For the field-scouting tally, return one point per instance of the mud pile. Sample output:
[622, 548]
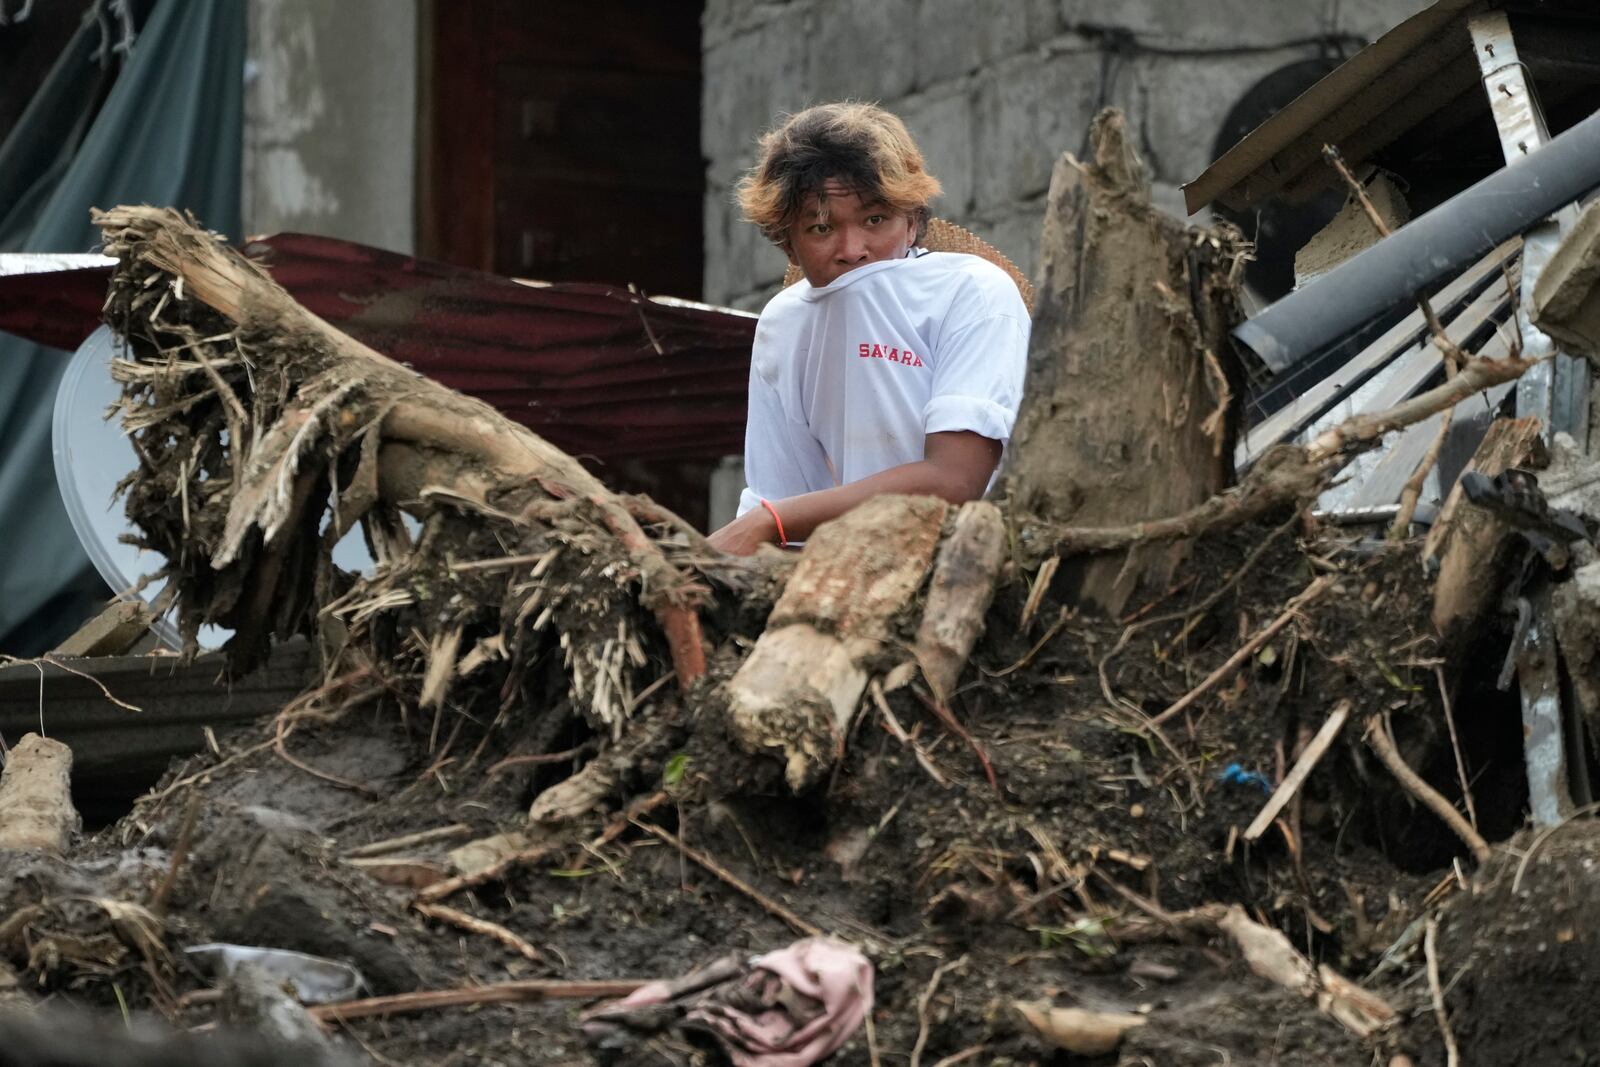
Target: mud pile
[1075, 877]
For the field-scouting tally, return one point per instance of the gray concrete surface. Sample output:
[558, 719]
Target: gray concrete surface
[330, 120]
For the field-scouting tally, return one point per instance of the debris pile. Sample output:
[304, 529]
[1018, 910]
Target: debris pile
[986, 784]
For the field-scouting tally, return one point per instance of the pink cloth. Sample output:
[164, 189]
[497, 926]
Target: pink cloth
[792, 1008]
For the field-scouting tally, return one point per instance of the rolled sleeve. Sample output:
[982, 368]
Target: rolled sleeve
[970, 413]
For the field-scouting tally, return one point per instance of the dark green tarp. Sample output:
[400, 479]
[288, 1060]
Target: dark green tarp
[168, 133]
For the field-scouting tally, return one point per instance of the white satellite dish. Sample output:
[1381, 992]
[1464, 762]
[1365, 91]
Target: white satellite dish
[92, 454]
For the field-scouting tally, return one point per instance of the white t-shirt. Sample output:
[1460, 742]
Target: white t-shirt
[847, 380]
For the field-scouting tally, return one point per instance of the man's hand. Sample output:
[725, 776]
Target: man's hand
[748, 532]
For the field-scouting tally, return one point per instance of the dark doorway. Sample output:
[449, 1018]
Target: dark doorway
[561, 141]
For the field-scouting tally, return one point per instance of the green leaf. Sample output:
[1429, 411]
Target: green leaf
[676, 767]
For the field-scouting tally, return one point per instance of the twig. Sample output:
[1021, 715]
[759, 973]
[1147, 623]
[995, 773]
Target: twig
[450, 886]
[1451, 1052]
[1455, 746]
[202, 775]
[948, 718]
[1301, 770]
[770, 906]
[1447, 347]
[1044, 639]
[504, 562]
[1377, 737]
[1181, 924]
[922, 1008]
[1318, 586]
[180, 852]
[1544, 835]
[963, 1056]
[1411, 492]
[1287, 473]
[440, 890]
[50, 659]
[872, 1041]
[473, 924]
[281, 733]
[548, 757]
[1041, 584]
[525, 991]
[1192, 612]
[898, 732]
[405, 841]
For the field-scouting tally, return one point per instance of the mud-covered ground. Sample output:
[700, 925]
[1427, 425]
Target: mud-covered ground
[1057, 882]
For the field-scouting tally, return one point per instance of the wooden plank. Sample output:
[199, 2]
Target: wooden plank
[1465, 541]
[1302, 769]
[1283, 424]
[111, 633]
[1509, 443]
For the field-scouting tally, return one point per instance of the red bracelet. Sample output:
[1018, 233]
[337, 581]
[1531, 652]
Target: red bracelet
[782, 537]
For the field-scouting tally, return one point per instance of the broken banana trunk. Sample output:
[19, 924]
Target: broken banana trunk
[835, 627]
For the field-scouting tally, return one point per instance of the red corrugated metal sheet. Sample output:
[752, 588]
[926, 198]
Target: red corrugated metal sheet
[597, 370]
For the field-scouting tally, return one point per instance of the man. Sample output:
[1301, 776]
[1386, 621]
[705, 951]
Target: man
[888, 368]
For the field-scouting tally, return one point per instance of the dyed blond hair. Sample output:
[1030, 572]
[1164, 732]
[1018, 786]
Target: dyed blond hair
[862, 145]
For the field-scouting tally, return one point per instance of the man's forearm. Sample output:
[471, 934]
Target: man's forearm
[956, 465]
[803, 514]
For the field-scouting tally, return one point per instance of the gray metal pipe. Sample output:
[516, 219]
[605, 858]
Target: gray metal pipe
[1444, 241]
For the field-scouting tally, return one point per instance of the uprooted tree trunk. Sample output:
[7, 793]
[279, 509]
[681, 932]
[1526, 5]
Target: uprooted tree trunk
[1128, 413]
[264, 435]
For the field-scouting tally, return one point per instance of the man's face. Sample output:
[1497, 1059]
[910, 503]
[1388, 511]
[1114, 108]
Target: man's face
[837, 231]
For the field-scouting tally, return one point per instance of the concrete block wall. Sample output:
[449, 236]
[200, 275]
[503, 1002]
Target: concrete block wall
[330, 120]
[994, 91]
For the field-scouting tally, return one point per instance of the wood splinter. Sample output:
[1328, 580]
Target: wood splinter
[521, 992]
[475, 925]
[1301, 770]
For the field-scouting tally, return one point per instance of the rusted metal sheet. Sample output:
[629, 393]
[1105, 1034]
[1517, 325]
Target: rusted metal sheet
[599, 370]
